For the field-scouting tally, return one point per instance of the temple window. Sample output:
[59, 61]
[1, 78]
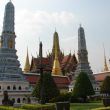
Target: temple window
[19, 88]
[13, 99]
[14, 88]
[18, 100]
[8, 87]
[24, 100]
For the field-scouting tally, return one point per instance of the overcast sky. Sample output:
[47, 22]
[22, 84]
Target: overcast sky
[37, 19]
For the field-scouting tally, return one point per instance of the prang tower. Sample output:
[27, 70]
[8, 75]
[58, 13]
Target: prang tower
[11, 76]
[83, 64]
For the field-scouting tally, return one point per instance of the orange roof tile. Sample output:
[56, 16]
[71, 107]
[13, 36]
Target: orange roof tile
[101, 76]
[65, 59]
[61, 81]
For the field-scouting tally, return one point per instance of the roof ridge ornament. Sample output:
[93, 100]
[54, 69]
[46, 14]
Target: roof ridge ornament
[55, 29]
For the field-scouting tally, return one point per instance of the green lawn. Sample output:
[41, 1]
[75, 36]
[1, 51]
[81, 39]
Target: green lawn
[85, 106]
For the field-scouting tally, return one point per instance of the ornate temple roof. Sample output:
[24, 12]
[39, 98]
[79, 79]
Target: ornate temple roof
[65, 59]
[35, 64]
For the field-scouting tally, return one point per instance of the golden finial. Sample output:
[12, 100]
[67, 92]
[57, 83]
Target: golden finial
[27, 64]
[105, 61]
[55, 29]
[70, 52]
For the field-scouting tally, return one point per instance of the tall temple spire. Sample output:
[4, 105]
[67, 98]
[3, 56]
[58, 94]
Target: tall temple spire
[8, 23]
[105, 62]
[7, 50]
[27, 64]
[83, 64]
[81, 39]
[40, 50]
[55, 42]
[56, 65]
[10, 72]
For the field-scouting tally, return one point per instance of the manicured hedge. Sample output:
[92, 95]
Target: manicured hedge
[102, 108]
[39, 107]
[9, 108]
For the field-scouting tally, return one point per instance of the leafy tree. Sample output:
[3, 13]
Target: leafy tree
[105, 88]
[83, 87]
[50, 88]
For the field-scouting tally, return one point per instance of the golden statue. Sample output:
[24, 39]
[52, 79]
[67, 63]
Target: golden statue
[10, 43]
[0, 42]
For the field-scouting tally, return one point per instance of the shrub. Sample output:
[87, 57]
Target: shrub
[9, 108]
[83, 87]
[50, 88]
[105, 88]
[62, 97]
[102, 108]
[39, 107]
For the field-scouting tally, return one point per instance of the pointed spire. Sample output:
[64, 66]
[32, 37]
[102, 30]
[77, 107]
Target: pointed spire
[8, 22]
[70, 53]
[74, 51]
[40, 49]
[56, 66]
[55, 29]
[27, 64]
[105, 61]
[55, 42]
[81, 39]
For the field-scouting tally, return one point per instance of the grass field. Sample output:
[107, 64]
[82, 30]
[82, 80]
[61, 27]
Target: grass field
[85, 106]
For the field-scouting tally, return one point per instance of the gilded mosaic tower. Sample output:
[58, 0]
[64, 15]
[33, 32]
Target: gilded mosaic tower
[56, 64]
[83, 64]
[55, 42]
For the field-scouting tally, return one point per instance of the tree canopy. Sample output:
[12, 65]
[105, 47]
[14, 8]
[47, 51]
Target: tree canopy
[105, 88]
[83, 86]
[50, 88]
